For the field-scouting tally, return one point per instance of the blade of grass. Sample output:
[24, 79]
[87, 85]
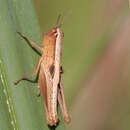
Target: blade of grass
[17, 59]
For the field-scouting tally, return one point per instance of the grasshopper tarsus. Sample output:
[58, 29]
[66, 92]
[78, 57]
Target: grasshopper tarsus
[19, 32]
[61, 70]
[15, 83]
[22, 35]
[67, 119]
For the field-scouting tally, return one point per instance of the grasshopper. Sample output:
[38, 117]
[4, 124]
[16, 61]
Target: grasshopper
[50, 70]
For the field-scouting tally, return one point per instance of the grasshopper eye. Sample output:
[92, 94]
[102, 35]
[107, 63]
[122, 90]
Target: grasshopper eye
[54, 30]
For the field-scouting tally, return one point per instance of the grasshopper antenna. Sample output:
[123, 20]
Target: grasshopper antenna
[62, 22]
[58, 20]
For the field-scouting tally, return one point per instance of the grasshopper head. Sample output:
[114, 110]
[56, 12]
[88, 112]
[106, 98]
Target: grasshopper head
[50, 37]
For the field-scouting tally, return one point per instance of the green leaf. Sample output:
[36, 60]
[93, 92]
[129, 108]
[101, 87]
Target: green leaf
[20, 108]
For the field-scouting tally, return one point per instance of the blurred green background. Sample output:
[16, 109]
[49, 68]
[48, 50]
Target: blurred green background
[95, 51]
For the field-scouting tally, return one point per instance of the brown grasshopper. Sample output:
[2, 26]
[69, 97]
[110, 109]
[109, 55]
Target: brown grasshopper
[49, 78]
